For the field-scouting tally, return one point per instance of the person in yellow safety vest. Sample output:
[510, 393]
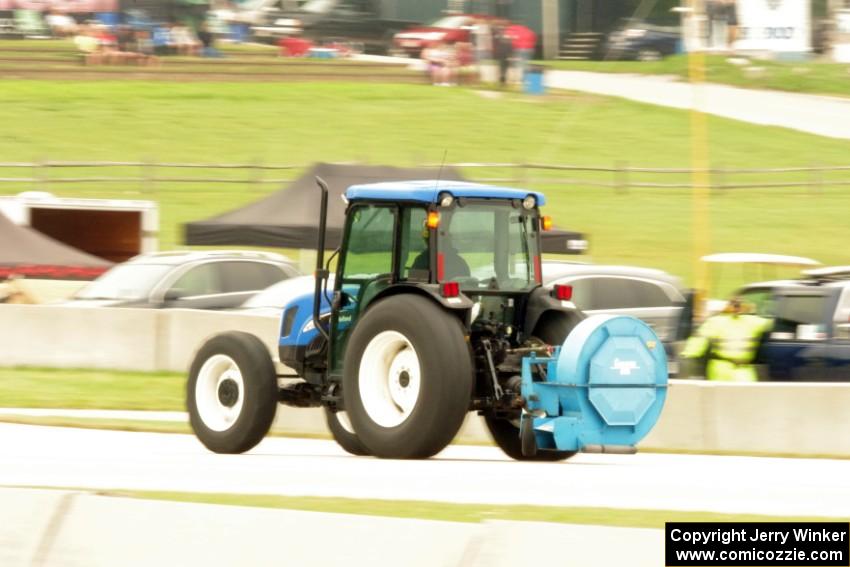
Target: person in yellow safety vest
[731, 340]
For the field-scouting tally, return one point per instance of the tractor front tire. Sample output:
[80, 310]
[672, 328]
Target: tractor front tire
[343, 433]
[407, 377]
[232, 392]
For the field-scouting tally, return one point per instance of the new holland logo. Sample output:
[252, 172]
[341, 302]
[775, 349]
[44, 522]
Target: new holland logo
[625, 367]
[774, 4]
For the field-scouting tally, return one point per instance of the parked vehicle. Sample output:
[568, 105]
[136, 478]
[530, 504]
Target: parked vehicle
[194, 280]
[448, 29]
[810, 337]
[641, 41]
[419, 331]
[652, 296]
[360, 23]
[273, 299]
[767, 266]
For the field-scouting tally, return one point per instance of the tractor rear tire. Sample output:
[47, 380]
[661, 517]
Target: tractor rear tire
[343, 433]
[552, 329]
[231, 394]
[507, 436]
[408, 377]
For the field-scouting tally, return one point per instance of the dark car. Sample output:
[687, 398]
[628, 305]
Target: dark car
[810, 337]
[193, 280]
[641, 41]
[357, 23]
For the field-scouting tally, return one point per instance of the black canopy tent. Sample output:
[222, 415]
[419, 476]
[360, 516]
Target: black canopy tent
[25, 251]
[289, 218]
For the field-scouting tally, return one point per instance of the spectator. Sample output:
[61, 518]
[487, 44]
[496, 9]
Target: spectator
[731, 23]
[161, 39]
[523, 41]
[464, 59]
[441, 64]
[110, 53]
[145, 49]
[207, 40]
[482, 38]
[61, 25]
[502, 52]
[89, 45]
[722, 16]
[184, 40]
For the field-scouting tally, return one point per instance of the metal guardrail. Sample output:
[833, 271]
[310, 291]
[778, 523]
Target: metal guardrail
[622, 175]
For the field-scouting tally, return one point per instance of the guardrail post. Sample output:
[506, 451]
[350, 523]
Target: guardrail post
[42, 174]
[816, 181]
[621, 176]
[717, 177]
[259, 172]
[148, 177]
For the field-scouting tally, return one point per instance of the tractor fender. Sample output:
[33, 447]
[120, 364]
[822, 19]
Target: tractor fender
[460, 306]
[541, 303]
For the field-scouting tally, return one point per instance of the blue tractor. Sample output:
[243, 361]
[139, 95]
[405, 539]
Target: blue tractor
[435, 310]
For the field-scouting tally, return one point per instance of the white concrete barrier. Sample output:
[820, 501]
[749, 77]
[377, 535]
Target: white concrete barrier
[802, 419]
[793, 418]
[117, 338]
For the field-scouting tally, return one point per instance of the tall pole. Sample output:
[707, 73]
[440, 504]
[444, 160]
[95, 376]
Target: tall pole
[550, 28]
[700, 176]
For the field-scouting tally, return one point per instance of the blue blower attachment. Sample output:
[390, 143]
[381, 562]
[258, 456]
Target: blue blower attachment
[602, 391]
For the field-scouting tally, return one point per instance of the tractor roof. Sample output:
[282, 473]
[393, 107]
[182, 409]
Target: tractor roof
[427, 191]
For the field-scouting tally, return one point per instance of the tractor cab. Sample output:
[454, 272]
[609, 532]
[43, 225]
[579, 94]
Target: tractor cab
[471, 248]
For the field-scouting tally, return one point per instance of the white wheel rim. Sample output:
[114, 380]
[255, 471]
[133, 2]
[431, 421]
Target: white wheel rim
[218, 378]
[389, 379]
[344, 422]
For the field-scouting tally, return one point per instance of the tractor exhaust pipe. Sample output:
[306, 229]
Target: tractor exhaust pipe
[321, 273]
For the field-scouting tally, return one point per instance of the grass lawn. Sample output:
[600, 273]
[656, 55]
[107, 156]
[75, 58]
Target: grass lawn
[473, 513]
[91, 389]
[301, 123]
[795, 76]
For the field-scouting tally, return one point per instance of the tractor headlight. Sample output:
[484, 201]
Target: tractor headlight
[446, 199]
[529, 202]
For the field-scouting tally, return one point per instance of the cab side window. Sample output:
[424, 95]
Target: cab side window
[370, 243]
[414, 254]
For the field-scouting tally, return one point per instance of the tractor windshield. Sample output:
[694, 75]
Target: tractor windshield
[488, 246]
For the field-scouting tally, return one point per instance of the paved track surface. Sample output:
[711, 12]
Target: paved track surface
[815, 114]
[59, 528]
[65, 457]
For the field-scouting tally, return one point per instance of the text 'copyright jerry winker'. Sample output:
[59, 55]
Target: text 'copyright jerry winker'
[763, 544]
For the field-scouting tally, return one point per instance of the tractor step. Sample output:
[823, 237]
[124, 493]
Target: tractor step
[300, 395]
